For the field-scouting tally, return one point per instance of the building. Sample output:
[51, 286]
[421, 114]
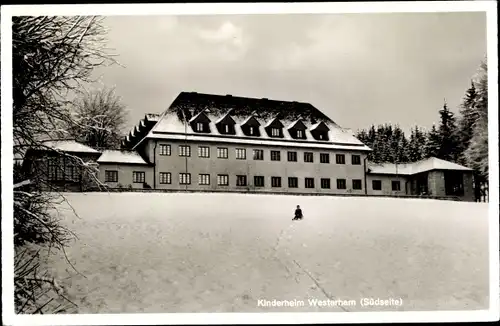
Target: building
[56, 165]
[213, 142]
[206, 142]
[430, 177]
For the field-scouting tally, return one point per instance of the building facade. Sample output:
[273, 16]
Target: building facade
[206, 142]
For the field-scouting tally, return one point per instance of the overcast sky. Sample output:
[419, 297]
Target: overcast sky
[358, 69]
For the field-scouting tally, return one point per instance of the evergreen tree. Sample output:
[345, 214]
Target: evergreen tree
[433, 143]
[476, 154]
[468, 116]
[448, 149]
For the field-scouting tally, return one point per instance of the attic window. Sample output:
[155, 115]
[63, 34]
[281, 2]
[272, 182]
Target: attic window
[300, 134]
[199, 126]
[226, 128]
[275, 132]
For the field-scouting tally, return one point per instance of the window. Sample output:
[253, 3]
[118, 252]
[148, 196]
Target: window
[356, 184]
[324, 158]
[377, 184]
[308, 157]
[309, 182]
[258, 181]
[293, 182]
[341, 184]
[199, 126]
[165, 178]
[275, 155]
[185, 178]
[292, 156]
[71, 172]
[325, 183]
[203, 151]
[110, 176]
[300, 134]
[356, 160]
[241, 154]
[165, 150]
[258, 154]
[222, 180]
[340, 158]
[276, 182]
[56, 169]
[221, 152]
[138, 177]
[226, 129]
[184, 150]
[396, 185]
[241, 180]
[454, 183]
[251, 131]
[204, 179]
[275, 132]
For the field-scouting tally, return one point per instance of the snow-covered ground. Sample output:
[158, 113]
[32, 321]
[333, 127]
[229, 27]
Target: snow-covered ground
[223, 252]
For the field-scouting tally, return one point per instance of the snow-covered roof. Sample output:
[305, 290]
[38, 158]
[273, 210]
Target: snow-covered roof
[191, 105]
[118, 156]
[71, 146]
[268, 141]
[429, 164]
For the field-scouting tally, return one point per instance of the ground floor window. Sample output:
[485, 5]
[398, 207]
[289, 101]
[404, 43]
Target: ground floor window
[258, 181]
[138, 177]
[293, 182]
[110, 176]
[276, 182]
[165, 178]
[377, 184]
[241, 180]
[341, 184]
[356, 184]
[185, 178]
[454, 183]
[222, 180]
[204, 179]
[309, 182]
[396, 185]
[325, 183]
[63, 169]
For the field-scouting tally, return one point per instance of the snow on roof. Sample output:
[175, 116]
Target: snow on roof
[268, 141]
[435, 163]
[429, 164]
[69, 146]
[118, 156]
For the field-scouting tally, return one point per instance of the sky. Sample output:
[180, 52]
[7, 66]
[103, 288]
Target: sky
[359, 69]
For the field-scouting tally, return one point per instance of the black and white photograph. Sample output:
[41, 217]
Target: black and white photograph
[249, 163]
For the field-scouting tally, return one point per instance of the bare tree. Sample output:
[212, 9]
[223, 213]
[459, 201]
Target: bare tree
[101, 118]
[53, 59]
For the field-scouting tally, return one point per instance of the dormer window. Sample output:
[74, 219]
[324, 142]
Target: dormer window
[200, 123]
[226, 125]
[297, 129]
[274, 128]
[250, 127]
[320, 131]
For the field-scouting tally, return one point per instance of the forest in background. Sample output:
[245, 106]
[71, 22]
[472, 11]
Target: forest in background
[461, 138]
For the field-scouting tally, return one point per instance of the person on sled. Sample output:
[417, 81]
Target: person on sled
[298, 214]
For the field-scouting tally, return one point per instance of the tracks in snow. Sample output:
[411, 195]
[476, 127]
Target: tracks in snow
[287, 233]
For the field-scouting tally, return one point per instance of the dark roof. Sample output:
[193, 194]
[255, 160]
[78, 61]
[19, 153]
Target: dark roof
[187, 105]
[243, 107]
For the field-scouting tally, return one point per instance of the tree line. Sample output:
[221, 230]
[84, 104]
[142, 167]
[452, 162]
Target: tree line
[461, 138]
